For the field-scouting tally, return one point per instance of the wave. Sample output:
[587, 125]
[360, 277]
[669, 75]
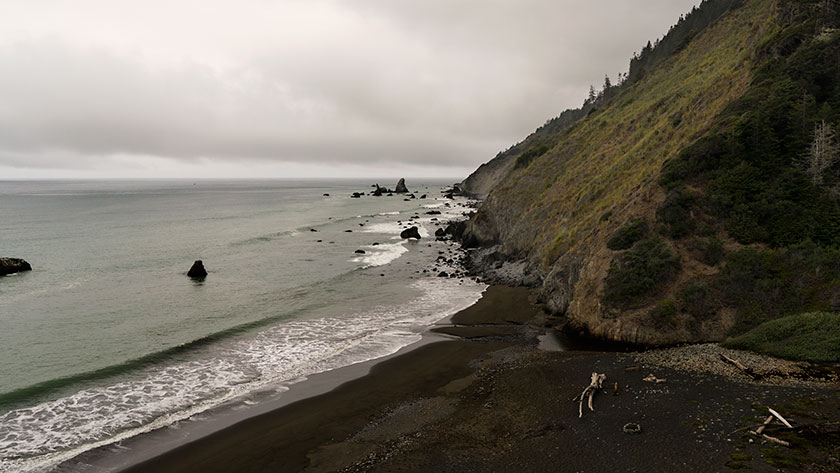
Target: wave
[171, 390]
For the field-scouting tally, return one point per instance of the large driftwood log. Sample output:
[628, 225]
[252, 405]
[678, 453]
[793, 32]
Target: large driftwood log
[596, 382]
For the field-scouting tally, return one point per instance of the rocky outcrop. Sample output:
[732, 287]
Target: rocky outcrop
[13, 265]
[412, 232]
[197, 270]
[401, 188]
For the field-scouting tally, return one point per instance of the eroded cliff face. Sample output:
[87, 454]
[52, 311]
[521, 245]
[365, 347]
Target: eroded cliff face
[555, 214]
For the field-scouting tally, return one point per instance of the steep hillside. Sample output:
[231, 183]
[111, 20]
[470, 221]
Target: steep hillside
[630, 252]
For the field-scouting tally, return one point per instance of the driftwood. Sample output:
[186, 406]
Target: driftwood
[596, 382]
[748, 371]
[759, 432]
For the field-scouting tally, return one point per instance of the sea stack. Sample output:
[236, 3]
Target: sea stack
[197, 271]
[401, 189]
[13, 265]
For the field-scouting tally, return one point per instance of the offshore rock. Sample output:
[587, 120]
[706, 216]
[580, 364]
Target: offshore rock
[412, 232]
[197, 270]
[13, 265]
[401, 188]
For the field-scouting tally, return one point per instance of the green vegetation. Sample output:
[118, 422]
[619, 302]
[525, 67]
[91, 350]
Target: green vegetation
[712, 252]
[756, 167]
[814, 336]
[767, 284]
[530, 154]
[639, 272]
[630, 233]
[663, 313]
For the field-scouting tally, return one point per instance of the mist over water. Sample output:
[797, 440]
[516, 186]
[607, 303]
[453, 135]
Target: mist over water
[107, 337]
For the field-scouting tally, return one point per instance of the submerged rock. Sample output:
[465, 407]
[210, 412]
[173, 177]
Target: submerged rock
[197, 270]
[13, 265]
[412, 232]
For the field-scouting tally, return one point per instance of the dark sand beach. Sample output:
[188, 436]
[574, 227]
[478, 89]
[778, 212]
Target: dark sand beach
[492, 401]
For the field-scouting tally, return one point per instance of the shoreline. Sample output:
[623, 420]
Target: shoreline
[135, 451]
[487, 399]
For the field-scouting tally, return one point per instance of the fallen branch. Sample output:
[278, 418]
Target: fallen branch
[749, 372]
[779, 416]
[759, 432]
[596, 382]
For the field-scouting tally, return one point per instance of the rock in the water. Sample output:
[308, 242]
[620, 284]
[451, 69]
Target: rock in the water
[13, 265]
[360, 252]
[378, 191]
[433, 212]
[197, 271]
[356, 195]
[412, 232]
[440, 232]
[401, 188]
[423, 196]
[443, 274]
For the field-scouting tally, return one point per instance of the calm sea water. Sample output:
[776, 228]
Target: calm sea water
[107, 337]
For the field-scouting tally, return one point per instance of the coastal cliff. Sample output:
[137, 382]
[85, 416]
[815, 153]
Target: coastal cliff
[677, 205]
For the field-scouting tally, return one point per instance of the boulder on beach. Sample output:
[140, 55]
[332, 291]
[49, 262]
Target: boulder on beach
[13, 265]
[412, 232]
[197, 270]
[401, 188]
[440, 233]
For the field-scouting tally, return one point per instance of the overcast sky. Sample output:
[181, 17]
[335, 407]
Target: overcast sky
[290, 88]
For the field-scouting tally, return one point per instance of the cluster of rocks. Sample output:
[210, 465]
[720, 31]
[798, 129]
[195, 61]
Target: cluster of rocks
[379, 191]
[13, 265]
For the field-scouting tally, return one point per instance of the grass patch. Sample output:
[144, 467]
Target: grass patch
[808, 337]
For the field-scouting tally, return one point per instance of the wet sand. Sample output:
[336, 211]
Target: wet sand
[494, 402]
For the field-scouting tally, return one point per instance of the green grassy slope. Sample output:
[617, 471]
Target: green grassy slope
[682, 210]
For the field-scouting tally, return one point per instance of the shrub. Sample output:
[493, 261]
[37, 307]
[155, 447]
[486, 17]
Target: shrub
[694, 299]
[639, 272]
[664, 312]
[529, 155]
[675, 213]
[712, 252]
[810, 337]
[629, 233]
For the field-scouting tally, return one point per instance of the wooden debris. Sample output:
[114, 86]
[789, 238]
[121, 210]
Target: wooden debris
[615, 389]
[748, 371]
[653, 379]
[779, 416]
[596, 382]
[759, 432]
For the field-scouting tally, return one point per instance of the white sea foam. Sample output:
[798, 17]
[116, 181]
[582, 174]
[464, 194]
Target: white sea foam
[40, 437]
[380, 255]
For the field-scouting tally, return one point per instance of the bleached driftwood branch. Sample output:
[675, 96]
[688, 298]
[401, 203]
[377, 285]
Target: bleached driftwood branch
[759, 432]
[596, 382]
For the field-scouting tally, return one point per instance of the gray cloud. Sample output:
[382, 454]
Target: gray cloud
[437, 83]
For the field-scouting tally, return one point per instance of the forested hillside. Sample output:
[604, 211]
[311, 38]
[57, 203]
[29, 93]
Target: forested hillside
[697, 198]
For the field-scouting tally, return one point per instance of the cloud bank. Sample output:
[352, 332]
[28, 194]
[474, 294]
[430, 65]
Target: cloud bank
[219, 87]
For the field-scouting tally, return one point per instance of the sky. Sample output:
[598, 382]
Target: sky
[298, 88]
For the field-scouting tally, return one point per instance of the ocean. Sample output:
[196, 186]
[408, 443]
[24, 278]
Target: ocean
[107, 337]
